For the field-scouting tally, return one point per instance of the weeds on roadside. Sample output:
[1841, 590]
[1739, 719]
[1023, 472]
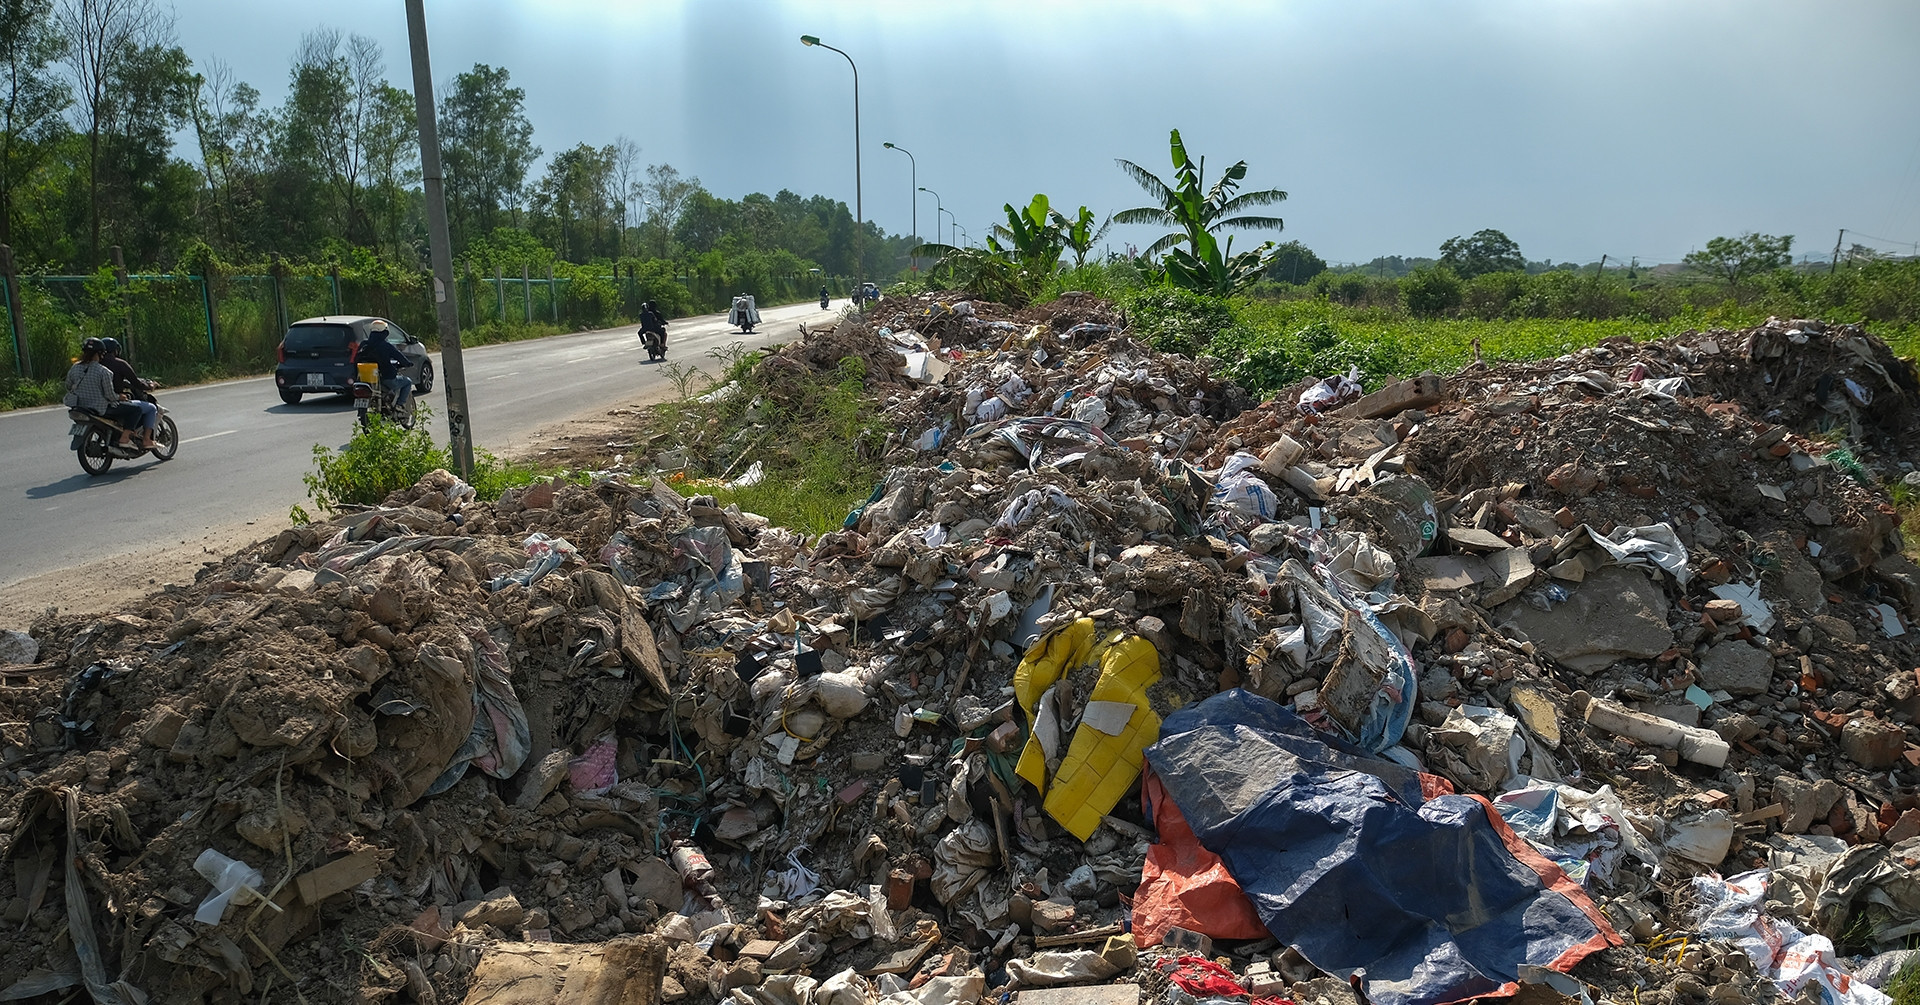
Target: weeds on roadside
[384, 458]
[818, 438]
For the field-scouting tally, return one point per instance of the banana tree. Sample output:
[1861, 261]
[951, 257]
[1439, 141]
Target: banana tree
[1032, 237]
[1080, 234]
[1216, 270]
[1191, 210]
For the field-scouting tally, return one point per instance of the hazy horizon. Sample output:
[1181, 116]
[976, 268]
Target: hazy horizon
[1579, 128]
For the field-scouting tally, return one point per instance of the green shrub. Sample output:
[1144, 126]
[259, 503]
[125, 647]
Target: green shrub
[1176, 320]
[1431, 292]
[384, 458]
[380, 459]
[592, 300]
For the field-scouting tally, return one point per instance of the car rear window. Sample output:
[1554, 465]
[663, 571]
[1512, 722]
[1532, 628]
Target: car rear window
[307, 338]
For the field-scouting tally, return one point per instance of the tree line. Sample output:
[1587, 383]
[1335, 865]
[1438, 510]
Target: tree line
[94, 92]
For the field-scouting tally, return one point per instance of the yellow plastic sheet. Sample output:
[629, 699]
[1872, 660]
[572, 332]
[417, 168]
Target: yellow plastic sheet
[1045, 662]
[1098, 767]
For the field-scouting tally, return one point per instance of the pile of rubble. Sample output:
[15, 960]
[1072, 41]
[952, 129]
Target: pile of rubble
[1119, 687]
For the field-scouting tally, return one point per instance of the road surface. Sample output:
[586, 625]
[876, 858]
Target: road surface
[242, 451]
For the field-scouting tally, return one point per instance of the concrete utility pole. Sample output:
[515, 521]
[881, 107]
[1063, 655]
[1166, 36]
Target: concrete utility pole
[459, 428]
[1835, 263]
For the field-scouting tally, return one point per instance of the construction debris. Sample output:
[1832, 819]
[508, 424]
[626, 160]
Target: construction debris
[605, 742]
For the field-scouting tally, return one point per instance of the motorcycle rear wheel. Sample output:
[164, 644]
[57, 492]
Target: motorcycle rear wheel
[167, 435]
[95, 457]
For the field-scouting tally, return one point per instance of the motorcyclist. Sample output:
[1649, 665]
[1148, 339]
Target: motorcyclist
[823, 298]
[90, 388]
[376, 349]
[652, 321]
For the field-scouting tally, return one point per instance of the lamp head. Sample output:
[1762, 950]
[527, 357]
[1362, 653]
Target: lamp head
[809, 40]
[889, 146]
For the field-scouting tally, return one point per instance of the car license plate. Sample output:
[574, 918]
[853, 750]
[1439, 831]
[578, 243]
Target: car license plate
[316, 379]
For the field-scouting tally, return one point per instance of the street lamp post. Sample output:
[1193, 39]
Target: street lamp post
[937, 210]
[859, 211]
[913, 179]
[966, 236]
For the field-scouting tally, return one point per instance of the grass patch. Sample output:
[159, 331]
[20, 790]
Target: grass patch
[818, 437]
[1904, 986]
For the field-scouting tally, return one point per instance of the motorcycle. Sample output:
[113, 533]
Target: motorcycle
[95, 439]
[745, 314]
[370, 398]
[823, 301]
[656, 343]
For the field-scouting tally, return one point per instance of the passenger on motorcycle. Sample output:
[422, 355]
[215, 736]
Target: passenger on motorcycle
[129, 385]
[376, 349]
[90, 388]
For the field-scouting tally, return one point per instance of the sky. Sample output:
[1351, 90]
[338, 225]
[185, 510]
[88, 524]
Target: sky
[1630, 128]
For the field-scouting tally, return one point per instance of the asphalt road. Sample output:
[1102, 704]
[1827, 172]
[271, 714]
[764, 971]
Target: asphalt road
[242, 451]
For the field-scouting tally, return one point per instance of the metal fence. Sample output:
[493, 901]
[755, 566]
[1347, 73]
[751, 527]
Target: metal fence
[178, 324]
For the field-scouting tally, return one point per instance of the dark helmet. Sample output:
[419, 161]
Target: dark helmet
[110, 346]
[93, 345]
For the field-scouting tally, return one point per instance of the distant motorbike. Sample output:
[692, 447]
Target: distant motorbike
[370, 398]
[95, 439]
[656, 342]
[823, 301]
[744, 313]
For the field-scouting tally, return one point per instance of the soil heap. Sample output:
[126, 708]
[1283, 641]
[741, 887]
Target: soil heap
[603, 741]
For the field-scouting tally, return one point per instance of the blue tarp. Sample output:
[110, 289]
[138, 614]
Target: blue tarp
[1427, 900]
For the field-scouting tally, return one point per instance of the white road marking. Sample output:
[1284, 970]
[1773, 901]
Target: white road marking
[209, 436]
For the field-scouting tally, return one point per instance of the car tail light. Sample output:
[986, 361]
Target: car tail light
[353, 352]
[281, 351]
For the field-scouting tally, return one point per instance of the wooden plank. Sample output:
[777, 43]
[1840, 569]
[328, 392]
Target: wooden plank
[1069, 938]
[1414, 392]
[338, 876]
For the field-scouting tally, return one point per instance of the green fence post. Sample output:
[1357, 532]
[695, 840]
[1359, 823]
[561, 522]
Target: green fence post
[333, 273]
[126, 302]
[279, 295]
[499, 294]
[526, 290]
[553, 295]
[22, 363]
[206, 303]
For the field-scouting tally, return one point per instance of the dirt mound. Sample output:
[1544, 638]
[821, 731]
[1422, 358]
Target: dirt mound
[1658, 586]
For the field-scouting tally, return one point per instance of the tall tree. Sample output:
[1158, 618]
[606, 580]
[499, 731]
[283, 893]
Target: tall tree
[392, 161]
[666, 193]
[236, 142]
[332, 102]
[572, 208]
[146, 196]
[627, 195]
[1738, 259]
[99, 35]
[487, 146]
[1486, 251]
[31, 97]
